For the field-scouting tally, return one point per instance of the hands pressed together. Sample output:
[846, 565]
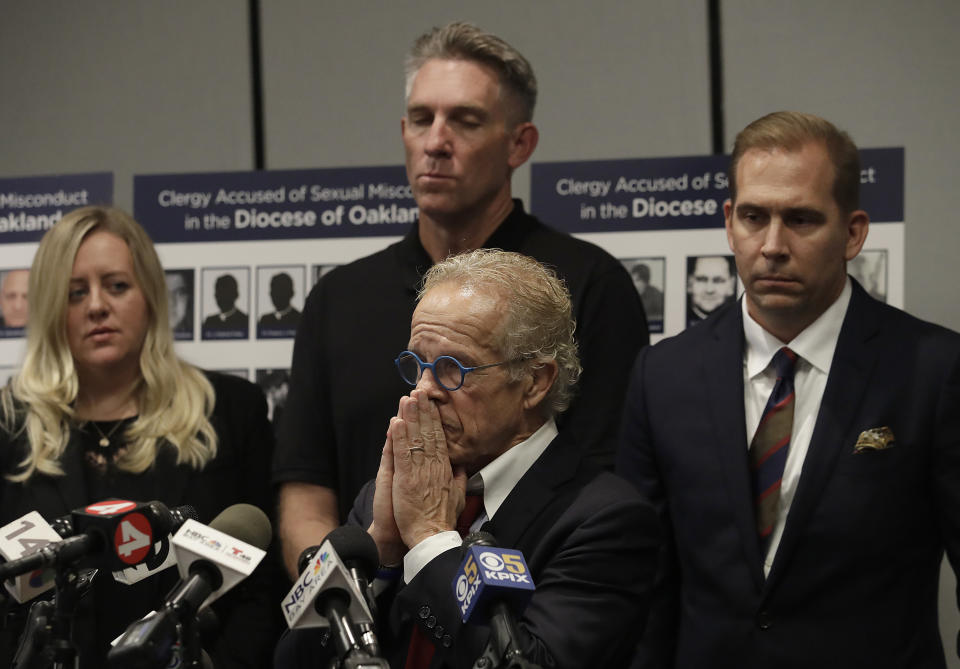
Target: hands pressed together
[418, 493]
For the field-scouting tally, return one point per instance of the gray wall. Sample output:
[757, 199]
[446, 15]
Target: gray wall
[124, 87]
[141, 87]
[885, 71]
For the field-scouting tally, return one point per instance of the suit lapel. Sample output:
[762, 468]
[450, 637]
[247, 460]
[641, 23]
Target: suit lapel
[722, 370]
[858, 349]
[554, 467]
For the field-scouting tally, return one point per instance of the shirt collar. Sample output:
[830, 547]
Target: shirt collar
[815, 344]
[499, 477]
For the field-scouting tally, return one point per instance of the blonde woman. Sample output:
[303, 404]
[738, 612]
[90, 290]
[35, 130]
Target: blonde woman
[103, 407]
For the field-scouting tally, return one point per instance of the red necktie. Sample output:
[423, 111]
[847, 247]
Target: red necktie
[421, 649]
[770, 444]
[471, 510]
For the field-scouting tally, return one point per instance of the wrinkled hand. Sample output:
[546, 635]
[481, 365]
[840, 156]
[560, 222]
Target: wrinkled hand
[384, 528]
[427, 494]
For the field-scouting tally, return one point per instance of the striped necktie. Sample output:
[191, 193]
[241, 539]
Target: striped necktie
[768, 450]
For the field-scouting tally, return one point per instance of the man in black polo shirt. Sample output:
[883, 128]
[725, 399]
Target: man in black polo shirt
[470, 100]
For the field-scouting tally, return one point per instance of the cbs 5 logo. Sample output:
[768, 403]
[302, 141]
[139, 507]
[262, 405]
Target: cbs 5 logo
[513, 563]
[470, 570]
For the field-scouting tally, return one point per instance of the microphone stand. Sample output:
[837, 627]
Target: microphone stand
[502, 652]
[50, 625]
[518, 662]
[349, 654]
[513, 659]
[190, 642]
[504, 633]
[35, 637]
[71, 585]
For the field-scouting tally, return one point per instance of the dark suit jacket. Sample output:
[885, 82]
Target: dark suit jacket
[248, 614]
[854, 582]
[590, 543]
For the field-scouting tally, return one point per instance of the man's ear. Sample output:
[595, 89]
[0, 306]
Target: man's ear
[538, 382]
[858, 224]
[728, 221]
[523, 141]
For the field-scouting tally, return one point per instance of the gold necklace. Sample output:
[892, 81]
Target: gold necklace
[105, 438]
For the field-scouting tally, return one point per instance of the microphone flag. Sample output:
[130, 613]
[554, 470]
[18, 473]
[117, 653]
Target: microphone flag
[23, 537]
[488, 574]
[235, 559]
[325, 571]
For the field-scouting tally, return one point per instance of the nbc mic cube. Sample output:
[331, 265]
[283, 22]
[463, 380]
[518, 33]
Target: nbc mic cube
[324, 572]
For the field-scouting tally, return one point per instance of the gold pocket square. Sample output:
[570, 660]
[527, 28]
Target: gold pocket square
[875, 439]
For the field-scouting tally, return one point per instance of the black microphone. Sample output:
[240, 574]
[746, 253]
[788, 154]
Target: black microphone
[115, 534]
[168, 521]
[150, 642]
[165, 522]
[489, 583]
[164, 519]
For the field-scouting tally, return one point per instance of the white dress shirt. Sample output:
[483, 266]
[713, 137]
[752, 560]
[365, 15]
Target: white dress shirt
[496, 480]
[815, 346]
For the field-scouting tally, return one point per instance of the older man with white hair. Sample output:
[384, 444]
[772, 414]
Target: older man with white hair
[492, 359]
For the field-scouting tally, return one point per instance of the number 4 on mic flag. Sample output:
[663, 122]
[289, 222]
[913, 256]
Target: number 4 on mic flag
[133, 538]
[125, 529]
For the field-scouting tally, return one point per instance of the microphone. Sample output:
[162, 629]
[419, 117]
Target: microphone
[19, 539]
[211, 559]
[164, 518]
[490, 583]
[359, 554]
[114, 534]
[165, 522]
[330, 593]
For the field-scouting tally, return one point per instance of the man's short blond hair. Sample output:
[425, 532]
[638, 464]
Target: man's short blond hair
[791, 130]
[465, 41]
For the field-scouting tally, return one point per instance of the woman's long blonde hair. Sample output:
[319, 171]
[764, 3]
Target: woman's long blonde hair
[175, 399]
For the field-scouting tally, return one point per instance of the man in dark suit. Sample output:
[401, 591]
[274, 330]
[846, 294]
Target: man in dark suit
[809, 493]
[492, 357]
